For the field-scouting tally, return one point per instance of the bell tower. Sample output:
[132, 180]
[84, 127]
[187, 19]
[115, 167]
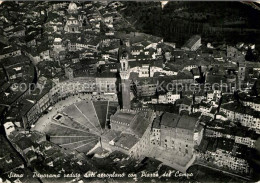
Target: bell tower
[241, 71]
[124, 71]
[125, 82]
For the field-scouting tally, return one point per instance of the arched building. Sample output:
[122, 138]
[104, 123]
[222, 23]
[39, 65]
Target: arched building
[74, 20]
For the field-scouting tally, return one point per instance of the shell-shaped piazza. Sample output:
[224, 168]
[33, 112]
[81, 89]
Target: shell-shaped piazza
[77, 125]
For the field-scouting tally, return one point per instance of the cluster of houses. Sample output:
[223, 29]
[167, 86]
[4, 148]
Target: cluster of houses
[73, 48]
[40, 154]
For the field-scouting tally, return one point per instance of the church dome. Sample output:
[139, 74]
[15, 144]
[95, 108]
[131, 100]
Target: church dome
[72, 7]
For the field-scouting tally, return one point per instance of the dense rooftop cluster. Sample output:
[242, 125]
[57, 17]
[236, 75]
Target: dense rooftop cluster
[82, 74]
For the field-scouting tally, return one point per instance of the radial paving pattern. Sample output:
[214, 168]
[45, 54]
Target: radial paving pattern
[80, 125]
[101, 111]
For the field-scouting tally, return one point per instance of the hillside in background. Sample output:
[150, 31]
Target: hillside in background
[229, 22]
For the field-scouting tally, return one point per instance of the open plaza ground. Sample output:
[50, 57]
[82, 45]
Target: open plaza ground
[77, 122]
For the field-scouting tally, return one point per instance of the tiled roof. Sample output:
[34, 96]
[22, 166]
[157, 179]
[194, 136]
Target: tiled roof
[239, 108]
[187, 122]
[170, 119]
[192, 41]
[155, 63]
[178, 121]
[156, 122]
[126, 140]
[140, 124]
[122, 116]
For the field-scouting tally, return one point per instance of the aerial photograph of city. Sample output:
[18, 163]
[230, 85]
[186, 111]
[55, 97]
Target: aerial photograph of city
[129, 91]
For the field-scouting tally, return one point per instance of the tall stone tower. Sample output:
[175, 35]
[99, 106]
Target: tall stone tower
[125, 82]
[241, 71]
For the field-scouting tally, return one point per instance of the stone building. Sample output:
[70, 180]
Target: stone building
[193, 43]
[125, 82]
[74, 20]
[246, 116]
[177, 133]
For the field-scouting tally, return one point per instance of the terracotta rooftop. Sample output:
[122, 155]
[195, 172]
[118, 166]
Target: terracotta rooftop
[177, 121]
